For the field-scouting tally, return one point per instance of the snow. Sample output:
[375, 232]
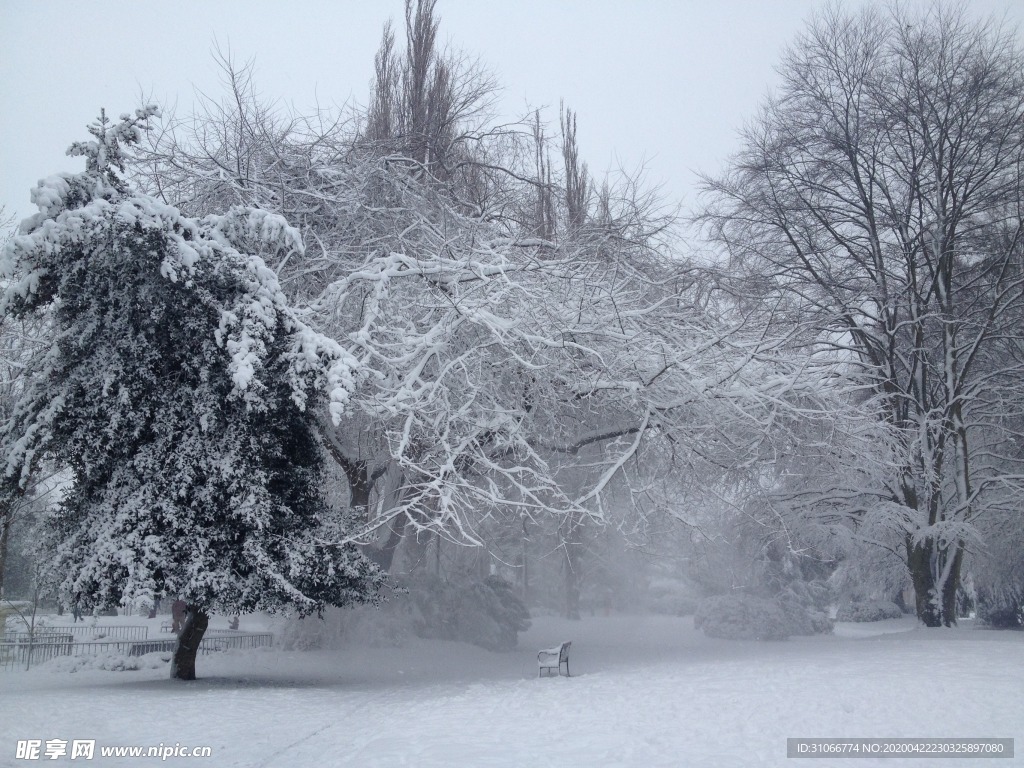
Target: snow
[645, 691]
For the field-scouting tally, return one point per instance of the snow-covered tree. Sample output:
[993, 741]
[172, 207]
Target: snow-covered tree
[878, 200]
[525, 340]
[179, 389]
[21, 339]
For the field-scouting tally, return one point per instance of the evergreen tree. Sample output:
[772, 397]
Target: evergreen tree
[179, 391]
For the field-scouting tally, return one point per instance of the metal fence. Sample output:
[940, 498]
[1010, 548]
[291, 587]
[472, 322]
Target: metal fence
[43, 647]
[82, 633]
[238, 640]
[34, 650]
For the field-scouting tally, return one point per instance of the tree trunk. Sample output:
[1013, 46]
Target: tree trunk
[9, 504]
[919, 561]
[384, 555]
[900, 601]
[935, 603]
[572, 588]
[951, 587]
[417, 544]
[183, 665]
[359, 487]
[526, 563]
[572, 544]
[437, 556]
[6, 521]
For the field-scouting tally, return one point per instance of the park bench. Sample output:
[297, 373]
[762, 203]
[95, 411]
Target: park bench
[554, 658]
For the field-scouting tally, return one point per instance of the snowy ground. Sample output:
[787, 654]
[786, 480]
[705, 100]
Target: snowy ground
[645, 692]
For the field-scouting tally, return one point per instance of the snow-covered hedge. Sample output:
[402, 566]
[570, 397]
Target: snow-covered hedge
[869, 610]
[742, 617]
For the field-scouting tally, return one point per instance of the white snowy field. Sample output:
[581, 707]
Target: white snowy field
[645, 691]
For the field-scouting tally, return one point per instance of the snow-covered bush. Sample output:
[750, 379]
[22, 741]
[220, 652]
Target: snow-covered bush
[997, 573]
[378, 628]
[110, 662]
[309, 633]
[742, 617]
[12, 613]
[389, 626]
[485, 613]
[672, 597]
[801, 608]
[805, 605]
[1002, 608]
[869, 610]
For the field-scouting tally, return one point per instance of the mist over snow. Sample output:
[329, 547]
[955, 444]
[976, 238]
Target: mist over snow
[645, 691]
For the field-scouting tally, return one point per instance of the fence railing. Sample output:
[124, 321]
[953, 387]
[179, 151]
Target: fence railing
[83, 632]
[43, 647]
[238, 640]
[34, 650]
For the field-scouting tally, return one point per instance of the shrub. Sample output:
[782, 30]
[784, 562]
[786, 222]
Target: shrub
[804, 605]
[816, 594]
[306, 633]
[741, 617]
[1002, 608]
[485, 613]
[869, 610]
[672, 598]
[388, 627]
[13, 615]
[110, 662]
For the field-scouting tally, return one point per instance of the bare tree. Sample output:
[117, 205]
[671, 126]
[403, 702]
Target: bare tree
[514, 365]
[577, 182]
[865, 201]
[428, 102]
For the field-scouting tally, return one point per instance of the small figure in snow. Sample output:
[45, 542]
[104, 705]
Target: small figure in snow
[233, 624]
[76, 608]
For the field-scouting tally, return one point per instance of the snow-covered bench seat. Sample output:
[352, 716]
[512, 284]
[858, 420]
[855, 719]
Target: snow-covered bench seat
[554, 658]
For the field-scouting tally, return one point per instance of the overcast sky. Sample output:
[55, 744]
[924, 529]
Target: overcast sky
[661, 82]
